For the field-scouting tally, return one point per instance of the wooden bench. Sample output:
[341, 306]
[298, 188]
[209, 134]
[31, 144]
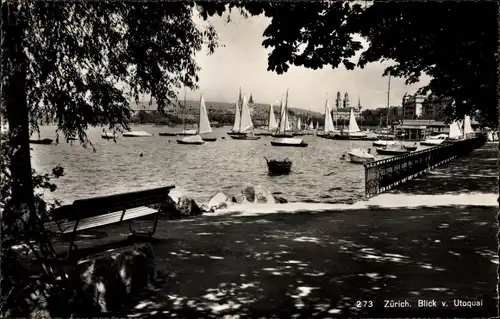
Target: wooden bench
[85, 214]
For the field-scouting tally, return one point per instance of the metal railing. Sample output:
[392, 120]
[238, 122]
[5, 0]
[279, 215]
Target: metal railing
[383, 175]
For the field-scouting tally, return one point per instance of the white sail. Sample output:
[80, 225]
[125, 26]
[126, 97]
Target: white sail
[246, 120]
[455, 131]
[467, 126]
[204, 122]
[287, 122]
[237, 118]
[328, 119]
[353, 125]
[311, 125]
[299, 125]
[282, 116]
[317, 125]
[272, 124]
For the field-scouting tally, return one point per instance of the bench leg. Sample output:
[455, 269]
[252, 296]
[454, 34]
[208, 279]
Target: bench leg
[154, 225]
[71, 245]
[130, 228]
[149, 234]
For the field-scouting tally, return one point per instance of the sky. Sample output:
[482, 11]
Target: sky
[243, 62]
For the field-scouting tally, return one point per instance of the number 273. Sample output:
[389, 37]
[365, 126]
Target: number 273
[364, 303]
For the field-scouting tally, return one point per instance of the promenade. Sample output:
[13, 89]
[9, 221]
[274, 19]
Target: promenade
[346, 262]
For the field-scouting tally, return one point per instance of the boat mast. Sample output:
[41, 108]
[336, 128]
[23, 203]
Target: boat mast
[240, 102]
[185, 111]
[281, 116]
[199, 115]
[286, 109]
[388, 97]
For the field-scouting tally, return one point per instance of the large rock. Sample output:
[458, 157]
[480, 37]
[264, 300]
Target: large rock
[243, 195]
[279, 199]
[111, 279]
[256, 195]
[102, 284]
[188, 207]
[185, 207]
[218, 201]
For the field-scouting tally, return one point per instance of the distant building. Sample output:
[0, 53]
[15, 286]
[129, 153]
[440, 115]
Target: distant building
[346, 100]
[144, 106]
[432, 108]
[338, 101]
[419, 129]
[412, 106]
[345, 113]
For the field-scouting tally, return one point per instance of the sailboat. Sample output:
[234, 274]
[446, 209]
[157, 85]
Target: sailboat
[467, 127]
[272, 125]
[284, 125]
[353, 131]
[184, 131]
[283, 140]
[298, 129]
[203, 127]
[311, 126]
[455, 133]
[237, 117]
[328, 127]
[245, 124]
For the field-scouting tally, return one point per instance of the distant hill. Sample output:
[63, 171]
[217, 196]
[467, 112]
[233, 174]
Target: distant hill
[220, 107]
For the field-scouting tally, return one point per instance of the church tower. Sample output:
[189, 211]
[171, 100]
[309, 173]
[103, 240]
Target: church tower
[338, 101]
[346, 100]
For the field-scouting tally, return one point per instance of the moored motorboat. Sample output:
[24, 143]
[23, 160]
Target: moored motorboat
[411, 148]
[136, 134]
[360, 156]
[44, 141]
[279, 167]
[434, 140]
[383, 143]
[395, 149]
[289, 142]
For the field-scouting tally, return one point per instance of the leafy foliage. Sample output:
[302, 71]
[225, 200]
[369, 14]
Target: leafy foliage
[25, 229]
[79, 63]
[452, 41]
[77, 53]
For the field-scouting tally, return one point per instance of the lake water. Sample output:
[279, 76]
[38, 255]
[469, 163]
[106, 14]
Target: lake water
[199, 171]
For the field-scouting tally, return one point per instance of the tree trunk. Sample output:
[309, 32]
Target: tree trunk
[15, 100]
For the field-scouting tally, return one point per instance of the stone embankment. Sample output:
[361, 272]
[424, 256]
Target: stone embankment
[188, 207]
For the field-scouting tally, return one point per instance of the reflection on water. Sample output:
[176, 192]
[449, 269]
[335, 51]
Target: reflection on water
[199, 171]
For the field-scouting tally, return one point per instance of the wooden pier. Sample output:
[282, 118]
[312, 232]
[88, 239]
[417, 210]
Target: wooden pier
[382, 175]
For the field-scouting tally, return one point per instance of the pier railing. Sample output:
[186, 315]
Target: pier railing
[385, 174]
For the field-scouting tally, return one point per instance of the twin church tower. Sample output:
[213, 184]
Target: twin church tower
[345, 103]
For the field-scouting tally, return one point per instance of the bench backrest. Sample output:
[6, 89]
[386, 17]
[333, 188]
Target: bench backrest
[90, 207]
